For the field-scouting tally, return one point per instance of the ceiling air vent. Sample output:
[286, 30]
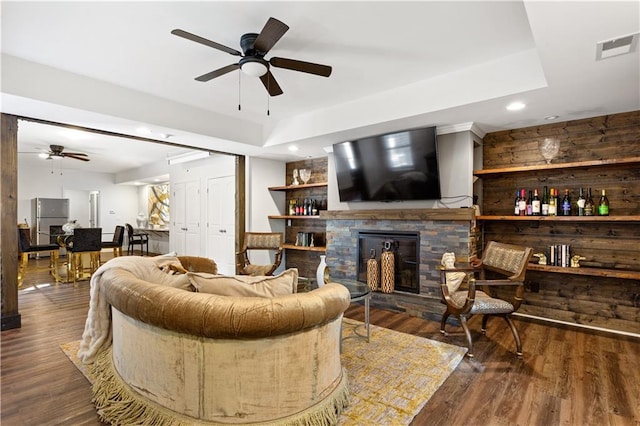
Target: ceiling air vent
[616, 46]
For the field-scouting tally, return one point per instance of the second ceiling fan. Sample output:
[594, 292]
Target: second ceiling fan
[252, 62]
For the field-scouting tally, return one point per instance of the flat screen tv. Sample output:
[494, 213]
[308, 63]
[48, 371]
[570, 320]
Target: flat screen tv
[396, 166]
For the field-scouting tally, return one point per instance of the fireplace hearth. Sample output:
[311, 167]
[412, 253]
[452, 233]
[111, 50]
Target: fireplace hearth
[406, 249]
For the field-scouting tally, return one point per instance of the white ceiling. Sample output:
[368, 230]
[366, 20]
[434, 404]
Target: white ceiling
[115, 66]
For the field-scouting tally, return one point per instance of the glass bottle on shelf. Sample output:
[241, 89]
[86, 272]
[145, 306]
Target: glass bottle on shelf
[516, 207]
[522, 203]
[566, 204]
[529, 204]
[292, 207]
[603, 207]
[580, 202]
[544, 208]
[553, 203]
[589, 208]
[536, 208]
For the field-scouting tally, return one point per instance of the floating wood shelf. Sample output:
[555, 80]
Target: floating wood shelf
[301, 186]
[562, 218]
[316, 217]
[303, 248]
[557, 166]
[595, 272]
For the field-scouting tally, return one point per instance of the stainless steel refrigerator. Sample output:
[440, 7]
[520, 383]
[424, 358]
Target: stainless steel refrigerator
[48, 216]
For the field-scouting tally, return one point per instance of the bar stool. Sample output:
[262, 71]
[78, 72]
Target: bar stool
[84, 241]
[25, 248]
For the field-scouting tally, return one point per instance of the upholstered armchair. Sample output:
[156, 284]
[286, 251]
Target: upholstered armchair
[270, 241]
[507, 265]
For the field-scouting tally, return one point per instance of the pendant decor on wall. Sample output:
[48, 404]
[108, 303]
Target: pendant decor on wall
[387, 260]
[373, 275]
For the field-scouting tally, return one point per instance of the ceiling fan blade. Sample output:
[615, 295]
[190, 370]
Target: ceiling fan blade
[272, 32]
[201, 40]
[308, 67]
[81, 157]
[75, 153]
[217, 73]
[271, 84]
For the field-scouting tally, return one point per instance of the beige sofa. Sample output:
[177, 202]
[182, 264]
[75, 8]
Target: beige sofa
[184, 357]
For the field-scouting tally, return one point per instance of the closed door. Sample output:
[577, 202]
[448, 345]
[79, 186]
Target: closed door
[221, 194]
[185, 212]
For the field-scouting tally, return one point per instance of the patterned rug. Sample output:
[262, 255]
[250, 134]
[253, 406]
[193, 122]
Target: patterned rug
[390, 378]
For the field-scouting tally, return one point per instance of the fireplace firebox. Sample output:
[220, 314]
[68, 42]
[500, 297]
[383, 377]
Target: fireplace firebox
[406, 249]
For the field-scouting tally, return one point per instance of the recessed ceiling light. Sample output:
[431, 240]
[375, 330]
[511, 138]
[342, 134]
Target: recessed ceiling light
[515, 106]
[551, 117]
[293, 148]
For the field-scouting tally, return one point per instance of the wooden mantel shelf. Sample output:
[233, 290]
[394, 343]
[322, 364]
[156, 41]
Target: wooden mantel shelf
[466, 214]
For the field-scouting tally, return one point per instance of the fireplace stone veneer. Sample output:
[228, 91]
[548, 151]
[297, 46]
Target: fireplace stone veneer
[438, 230]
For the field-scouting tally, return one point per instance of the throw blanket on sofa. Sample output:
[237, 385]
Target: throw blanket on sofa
[97, 328]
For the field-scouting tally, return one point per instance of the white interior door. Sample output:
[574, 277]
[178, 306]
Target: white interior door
[221, 195]
[192, 216]
[178, 218]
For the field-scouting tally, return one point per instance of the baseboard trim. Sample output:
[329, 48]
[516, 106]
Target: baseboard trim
[9, 322]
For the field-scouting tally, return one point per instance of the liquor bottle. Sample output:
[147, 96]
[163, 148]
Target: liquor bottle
[314, 207]
[580, 202]
[305, 207]
[589, 208]
[522, 203]
[298, 208]
[535, 204]
[566, 204]
[545, 202]
[603, 207]
[553, 206]
[529, 206]
[516, 208]
[292, 207]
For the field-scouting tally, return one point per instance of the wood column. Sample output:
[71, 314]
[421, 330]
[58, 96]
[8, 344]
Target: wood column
[9, 221]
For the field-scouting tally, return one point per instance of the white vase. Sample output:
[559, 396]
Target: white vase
[322, 273]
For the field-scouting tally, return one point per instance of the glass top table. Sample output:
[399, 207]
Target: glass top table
[359, 291]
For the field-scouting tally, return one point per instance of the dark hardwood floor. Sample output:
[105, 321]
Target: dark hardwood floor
[566, 377]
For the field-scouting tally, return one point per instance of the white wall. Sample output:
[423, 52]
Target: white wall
[118, 203]
[260, 175]
[455, 165]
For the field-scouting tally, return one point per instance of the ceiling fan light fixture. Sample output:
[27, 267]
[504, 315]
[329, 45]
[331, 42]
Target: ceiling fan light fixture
[254, 67]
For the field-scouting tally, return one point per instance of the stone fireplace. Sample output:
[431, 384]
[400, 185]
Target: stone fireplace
[435, 230]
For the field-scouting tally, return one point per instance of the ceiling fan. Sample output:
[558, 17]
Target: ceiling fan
[252, 62]
[57, 151]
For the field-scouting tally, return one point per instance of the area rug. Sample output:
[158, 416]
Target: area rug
[390, 378]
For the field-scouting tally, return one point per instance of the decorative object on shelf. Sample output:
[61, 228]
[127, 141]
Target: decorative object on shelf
[141, 220]
[295, 180]
[322, 273]
[70, 226]
[305, 175]
[542, 258]
[549, 148]
[373, 275]
[575, 260]
[387, 265]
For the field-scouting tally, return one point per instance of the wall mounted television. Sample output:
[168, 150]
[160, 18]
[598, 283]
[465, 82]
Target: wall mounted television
[397, 166]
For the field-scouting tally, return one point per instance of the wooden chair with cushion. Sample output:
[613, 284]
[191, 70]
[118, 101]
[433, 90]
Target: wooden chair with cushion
[270, 241]
[502, 265]
[136, 238]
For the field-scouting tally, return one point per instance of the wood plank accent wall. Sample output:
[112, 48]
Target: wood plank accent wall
[8, 224]
[306, 261]
[602, 301]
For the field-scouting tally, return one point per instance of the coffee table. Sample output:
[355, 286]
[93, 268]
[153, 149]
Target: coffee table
[359, 291]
